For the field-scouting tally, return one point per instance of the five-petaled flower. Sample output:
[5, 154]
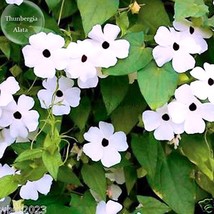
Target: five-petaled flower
[109, 47]
[105, 145]
[187, 109]
[19, 117]
[161, 122]
[45, 54]
[196, 33]
[175, 46]
[83, 61]
[59, 95]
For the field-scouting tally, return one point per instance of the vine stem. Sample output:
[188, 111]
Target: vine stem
[60, 12]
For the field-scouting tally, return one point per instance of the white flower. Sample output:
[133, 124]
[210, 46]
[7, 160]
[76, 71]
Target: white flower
[111, 207]
[82, 61]
[105, 144]
[7, 88]
[189, 110]
[18, 116]
[31, 135]
[5, 140]
[45, 54]
[18, 2]
[161, 122]
[109, 49]
[114, 192]
[59, 94]
[6, 170]
[203, 88]
[175, 46]
[32, 189]
[195, 32]
[92, 82]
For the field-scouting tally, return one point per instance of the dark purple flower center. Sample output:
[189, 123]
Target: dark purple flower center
[84, 58]
[210, 81]
[46, 53]
[176, 46]
[165, 117]
[191, 30]
[105, 142]
[105, 45]
[17, 115]
[59, 93]
[192, 107]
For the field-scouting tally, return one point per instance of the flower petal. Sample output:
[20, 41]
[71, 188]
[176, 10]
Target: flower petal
[177, 111]
[111, 32]
[101, 208]
[164, 132]
[151, 120]
[107, 129]
[90, 83]
[207, 111]
[113, 207]
[94, 134]
[163, 36]
[194, 124]
[96, 33]
[28, 191]
[110, 157]
[182, 62]
[118, 141]
[162, 55]
[72, 96]
[200, 89]
[199, 73]
[93, 150]
[43, 185]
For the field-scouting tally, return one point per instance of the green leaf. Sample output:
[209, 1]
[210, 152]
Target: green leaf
[190, 8]
[130, 177]
[66, 175]
[29, 154]
[168, 176]
[205, 183]
[52, 3]
[8, 185]
[94, 177]
[197, 151]
[113, 91]
[84, 204]
[52, 162]
[69, 9]
[151, 205]
[5, 46]
[20, 147]
[126, 116]
[81, 113]
[96, 12]
[139, 56]
[122, 21]
[152, 15]
[157, 85]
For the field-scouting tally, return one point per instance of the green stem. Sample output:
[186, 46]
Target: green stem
[60, 12]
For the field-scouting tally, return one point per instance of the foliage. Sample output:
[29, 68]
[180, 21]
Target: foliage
[158, 178]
